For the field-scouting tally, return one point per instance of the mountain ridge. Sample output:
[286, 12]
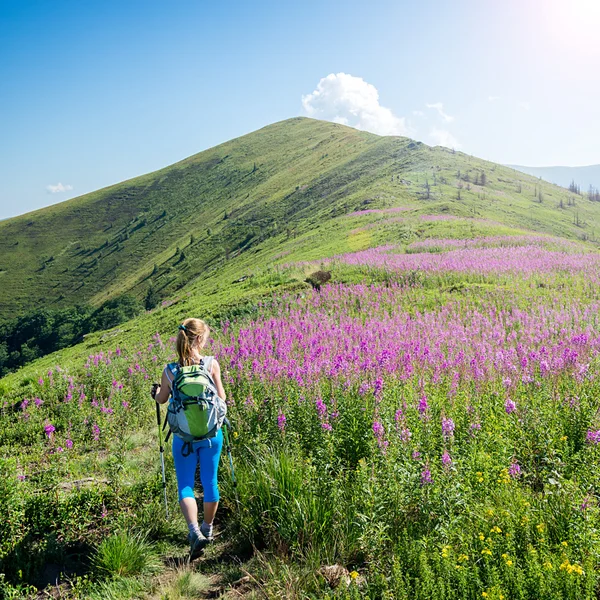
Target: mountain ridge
[256, 192]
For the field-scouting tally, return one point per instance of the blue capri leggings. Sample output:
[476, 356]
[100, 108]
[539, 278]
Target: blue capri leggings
[207, 453]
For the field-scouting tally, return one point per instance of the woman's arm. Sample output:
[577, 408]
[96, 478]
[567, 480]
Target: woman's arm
[164, 391]
[215, 371]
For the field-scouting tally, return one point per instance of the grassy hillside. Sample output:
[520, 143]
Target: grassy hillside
[262, 191]
[428, 421]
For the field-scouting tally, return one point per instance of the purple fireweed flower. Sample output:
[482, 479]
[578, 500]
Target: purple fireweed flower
[60, 449]
[447, 427]
[378, 387]
[593, 437]
[49, 429]
[363, 389]
[446, 460]
[24, 404]
[510, 407]
[416, 455]
[514, 470]
[405, 435]
[125, 404]
[378, 429]
[69, 444]
[281, 421]
[585, 504]
[38, 402]
[423, 406]
[326, 426]
[426, 476]
[398, 415]
[41, 381]
[321, 407]
[96, 431]
[21, 477]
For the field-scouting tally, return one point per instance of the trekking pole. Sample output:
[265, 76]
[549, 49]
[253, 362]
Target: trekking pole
[228, 448]
[162, 457]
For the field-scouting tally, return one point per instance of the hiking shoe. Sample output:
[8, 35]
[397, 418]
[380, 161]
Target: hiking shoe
[197, 544]
[207, 533]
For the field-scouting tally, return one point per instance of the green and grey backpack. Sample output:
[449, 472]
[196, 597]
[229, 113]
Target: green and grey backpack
[195, 410]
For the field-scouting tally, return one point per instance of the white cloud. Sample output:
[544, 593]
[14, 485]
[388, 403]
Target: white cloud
[493, 98]
[440, 108]
[58, 188]
[525, 105]
[418, 113]
[350, 100]
[441, 137]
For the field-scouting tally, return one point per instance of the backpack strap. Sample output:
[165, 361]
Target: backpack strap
[208, 362]
[171, 372]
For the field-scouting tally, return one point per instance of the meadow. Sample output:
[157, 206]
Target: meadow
[428, 421]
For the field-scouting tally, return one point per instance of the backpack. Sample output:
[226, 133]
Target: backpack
[195, 411]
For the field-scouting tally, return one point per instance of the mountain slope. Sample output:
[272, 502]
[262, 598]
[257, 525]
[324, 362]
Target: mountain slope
[259, 191]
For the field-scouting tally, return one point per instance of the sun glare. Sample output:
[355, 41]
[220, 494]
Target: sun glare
[575, 22]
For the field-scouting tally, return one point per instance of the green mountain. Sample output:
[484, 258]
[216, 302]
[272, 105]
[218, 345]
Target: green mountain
[270, 192]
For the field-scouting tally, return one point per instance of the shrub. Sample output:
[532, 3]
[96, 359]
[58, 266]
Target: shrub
[125, 555]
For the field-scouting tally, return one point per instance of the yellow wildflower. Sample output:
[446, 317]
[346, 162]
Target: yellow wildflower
[540, 527]
[463, 557]
[509, 563]
[526, 503]
[489, 512]
[480, 480]
[353, 574]
[578, 569]
[505, 556]
[565, 544]
[564, 565]
[484, 594]
[481, 537]
[564, 438]
[495, 529]
[486, 551]
[548, 565]
[235, 435]
[479, 474]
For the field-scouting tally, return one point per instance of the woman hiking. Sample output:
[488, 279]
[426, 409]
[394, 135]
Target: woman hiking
[191, 338]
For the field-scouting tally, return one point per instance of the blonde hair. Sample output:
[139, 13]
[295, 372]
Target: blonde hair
[186, 338]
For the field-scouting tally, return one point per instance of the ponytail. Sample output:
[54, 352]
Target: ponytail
[188, 332]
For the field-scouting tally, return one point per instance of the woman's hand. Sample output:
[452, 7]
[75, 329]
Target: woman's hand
[163, 391]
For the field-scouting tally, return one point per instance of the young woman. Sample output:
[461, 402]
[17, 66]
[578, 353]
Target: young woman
[191, 338]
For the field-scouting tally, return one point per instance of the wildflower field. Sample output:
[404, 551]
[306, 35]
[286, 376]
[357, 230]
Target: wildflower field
[429, 421]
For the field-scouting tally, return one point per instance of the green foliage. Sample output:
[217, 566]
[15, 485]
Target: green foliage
[114, 312]
[125, 555]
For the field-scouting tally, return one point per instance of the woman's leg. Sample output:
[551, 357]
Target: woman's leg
[209, 466]
[185, 470]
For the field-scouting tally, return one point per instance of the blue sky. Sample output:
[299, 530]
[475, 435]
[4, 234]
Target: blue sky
[92, 93]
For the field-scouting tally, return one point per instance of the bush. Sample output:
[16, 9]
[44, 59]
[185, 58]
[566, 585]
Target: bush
[125, 555]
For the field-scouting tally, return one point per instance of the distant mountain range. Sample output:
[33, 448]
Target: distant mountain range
[563, 176]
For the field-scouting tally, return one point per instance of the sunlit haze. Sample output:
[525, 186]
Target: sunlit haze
[97, 92]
